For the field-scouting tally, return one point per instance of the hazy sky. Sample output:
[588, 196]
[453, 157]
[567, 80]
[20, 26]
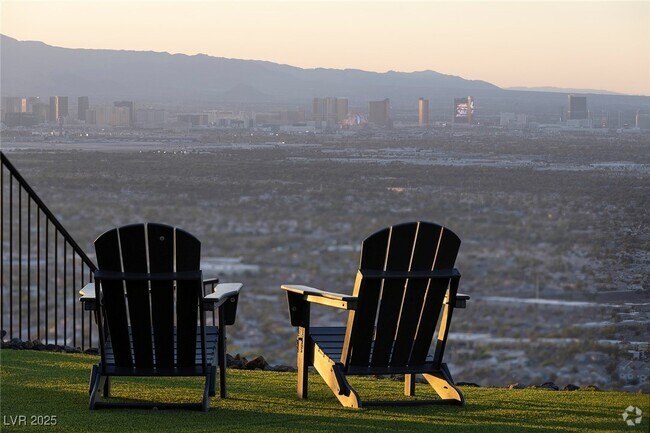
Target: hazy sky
[579, 44]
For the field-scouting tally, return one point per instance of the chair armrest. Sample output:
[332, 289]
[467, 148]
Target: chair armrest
[225, 297]
[222, 292]
[88, 296]
[317, 296]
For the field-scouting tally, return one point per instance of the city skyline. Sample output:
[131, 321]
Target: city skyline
[601, 45]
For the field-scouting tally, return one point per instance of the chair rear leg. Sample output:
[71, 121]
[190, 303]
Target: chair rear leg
[205, 403]
[91, 382]
[213, 381]
[105, 384]
[95, 386]
[332, 374]
[222, 381]
[443, 384]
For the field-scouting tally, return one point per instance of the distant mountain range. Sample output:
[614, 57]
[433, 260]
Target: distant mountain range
[31, 68]
[564, 90]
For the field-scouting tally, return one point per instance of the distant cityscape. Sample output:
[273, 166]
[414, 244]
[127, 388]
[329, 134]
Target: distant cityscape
[63, 115]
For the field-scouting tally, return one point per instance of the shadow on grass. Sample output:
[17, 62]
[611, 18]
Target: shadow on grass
[47, 384]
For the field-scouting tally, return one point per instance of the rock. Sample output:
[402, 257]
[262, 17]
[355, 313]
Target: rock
[3, 333]
[258, 363]
[550, 385]
[92, 351]
[515, 386]
[570, 387]
[468, 384]
[590, 388]
[36, 344]
[40, 346]
[236, 362]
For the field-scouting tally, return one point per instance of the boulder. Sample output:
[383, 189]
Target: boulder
[258, 363]
[590, 388]
[236, 362]
[548, 385]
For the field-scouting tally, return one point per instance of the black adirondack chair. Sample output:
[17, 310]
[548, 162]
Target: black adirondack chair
[406, 278]
[149, 303]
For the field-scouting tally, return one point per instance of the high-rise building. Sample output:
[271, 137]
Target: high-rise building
[58, 108]
[341, 109]
[106, 115]
[423, 112]
[40, 109]
[507, 119]
[464, 110]
[14, 104]
[129, 105]
[379, 113]
[642, 120]
[82, 105]
[329, 112]
[577, 108]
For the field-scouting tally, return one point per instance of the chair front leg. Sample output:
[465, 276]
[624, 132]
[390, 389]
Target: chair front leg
[299, 311]
[409, 385]
[303, 361]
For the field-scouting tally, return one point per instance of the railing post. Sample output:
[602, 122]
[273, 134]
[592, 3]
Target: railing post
[2, 242]
[11, 256]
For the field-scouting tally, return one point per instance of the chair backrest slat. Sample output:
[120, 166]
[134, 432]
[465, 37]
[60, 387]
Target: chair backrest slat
[134, 259]
[109, 258]
[188, 257]
[399, 251]
[361, 323]
[395, 318]
[161, 259]
[426, 241]
[445, 257]
[154, 306]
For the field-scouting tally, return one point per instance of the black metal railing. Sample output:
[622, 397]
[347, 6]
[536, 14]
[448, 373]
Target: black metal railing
[41, 270]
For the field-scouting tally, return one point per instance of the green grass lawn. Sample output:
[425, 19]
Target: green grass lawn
[37, 384]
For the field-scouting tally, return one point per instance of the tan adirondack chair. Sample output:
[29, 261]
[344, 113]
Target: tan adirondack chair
[405, 282]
